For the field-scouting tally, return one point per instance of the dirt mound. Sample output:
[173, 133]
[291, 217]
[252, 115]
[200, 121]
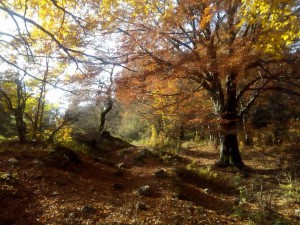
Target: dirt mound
[105, 142]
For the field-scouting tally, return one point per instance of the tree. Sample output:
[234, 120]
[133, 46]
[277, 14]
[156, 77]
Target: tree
[94, 99]
[13, 93]
[232, 50]
[47, 34]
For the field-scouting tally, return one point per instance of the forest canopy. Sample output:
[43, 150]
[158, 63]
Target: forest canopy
[160, 70]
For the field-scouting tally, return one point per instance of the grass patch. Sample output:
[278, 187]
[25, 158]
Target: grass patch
[202, 176]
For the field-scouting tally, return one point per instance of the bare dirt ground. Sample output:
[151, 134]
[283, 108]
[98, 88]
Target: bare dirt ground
[185, 188]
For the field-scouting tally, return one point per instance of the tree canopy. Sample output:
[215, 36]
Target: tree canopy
[187, 61]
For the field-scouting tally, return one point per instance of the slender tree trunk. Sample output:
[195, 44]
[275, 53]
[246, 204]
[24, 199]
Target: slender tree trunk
[109, 105]
[181, 133]
[103, 116]
[19, 111]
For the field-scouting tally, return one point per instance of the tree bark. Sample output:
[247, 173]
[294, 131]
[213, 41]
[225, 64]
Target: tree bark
[229, 147]
[20, 111]
[229, 151]
[103, 116]
[21, 127]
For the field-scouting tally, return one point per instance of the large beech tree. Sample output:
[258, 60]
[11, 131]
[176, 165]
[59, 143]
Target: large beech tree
[232, 50]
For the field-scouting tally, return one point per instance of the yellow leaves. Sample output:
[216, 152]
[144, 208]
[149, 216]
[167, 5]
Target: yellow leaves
[66, 20]
[131, 10]
[64, 135]
[278, 25]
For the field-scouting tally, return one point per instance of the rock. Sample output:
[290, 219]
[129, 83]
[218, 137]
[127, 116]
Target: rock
[65, 154]
[88, 209]
[37, 162]
[118, 186]
[13, 161]
[140, 206]
[64, 158]
[145, 153]
[160, 173]
[207, 191]
[72, 215]
[55, 193]
[145, 191]
[122, 166]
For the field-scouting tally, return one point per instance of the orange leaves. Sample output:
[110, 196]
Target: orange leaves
[206, 17]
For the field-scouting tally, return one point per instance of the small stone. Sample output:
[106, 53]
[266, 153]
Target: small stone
[145, 191]
[37, 162]
[88, 209]
[122, 166]
[72, 215]
[140, 206]
[207, 191]
[13, 161]
[55, 193]
[160, 173]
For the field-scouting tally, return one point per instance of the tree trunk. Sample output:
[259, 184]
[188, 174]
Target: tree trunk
[229, 147]
[21, 126]
[229, 151]
[103, 116]
[19, 111]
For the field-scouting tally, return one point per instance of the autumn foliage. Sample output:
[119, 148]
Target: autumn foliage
[189, 63]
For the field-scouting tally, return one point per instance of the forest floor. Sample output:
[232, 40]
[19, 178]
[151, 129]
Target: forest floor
[138, 186]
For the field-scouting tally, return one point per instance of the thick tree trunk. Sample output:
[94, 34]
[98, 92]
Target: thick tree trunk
[229, 151]
[229, 147]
